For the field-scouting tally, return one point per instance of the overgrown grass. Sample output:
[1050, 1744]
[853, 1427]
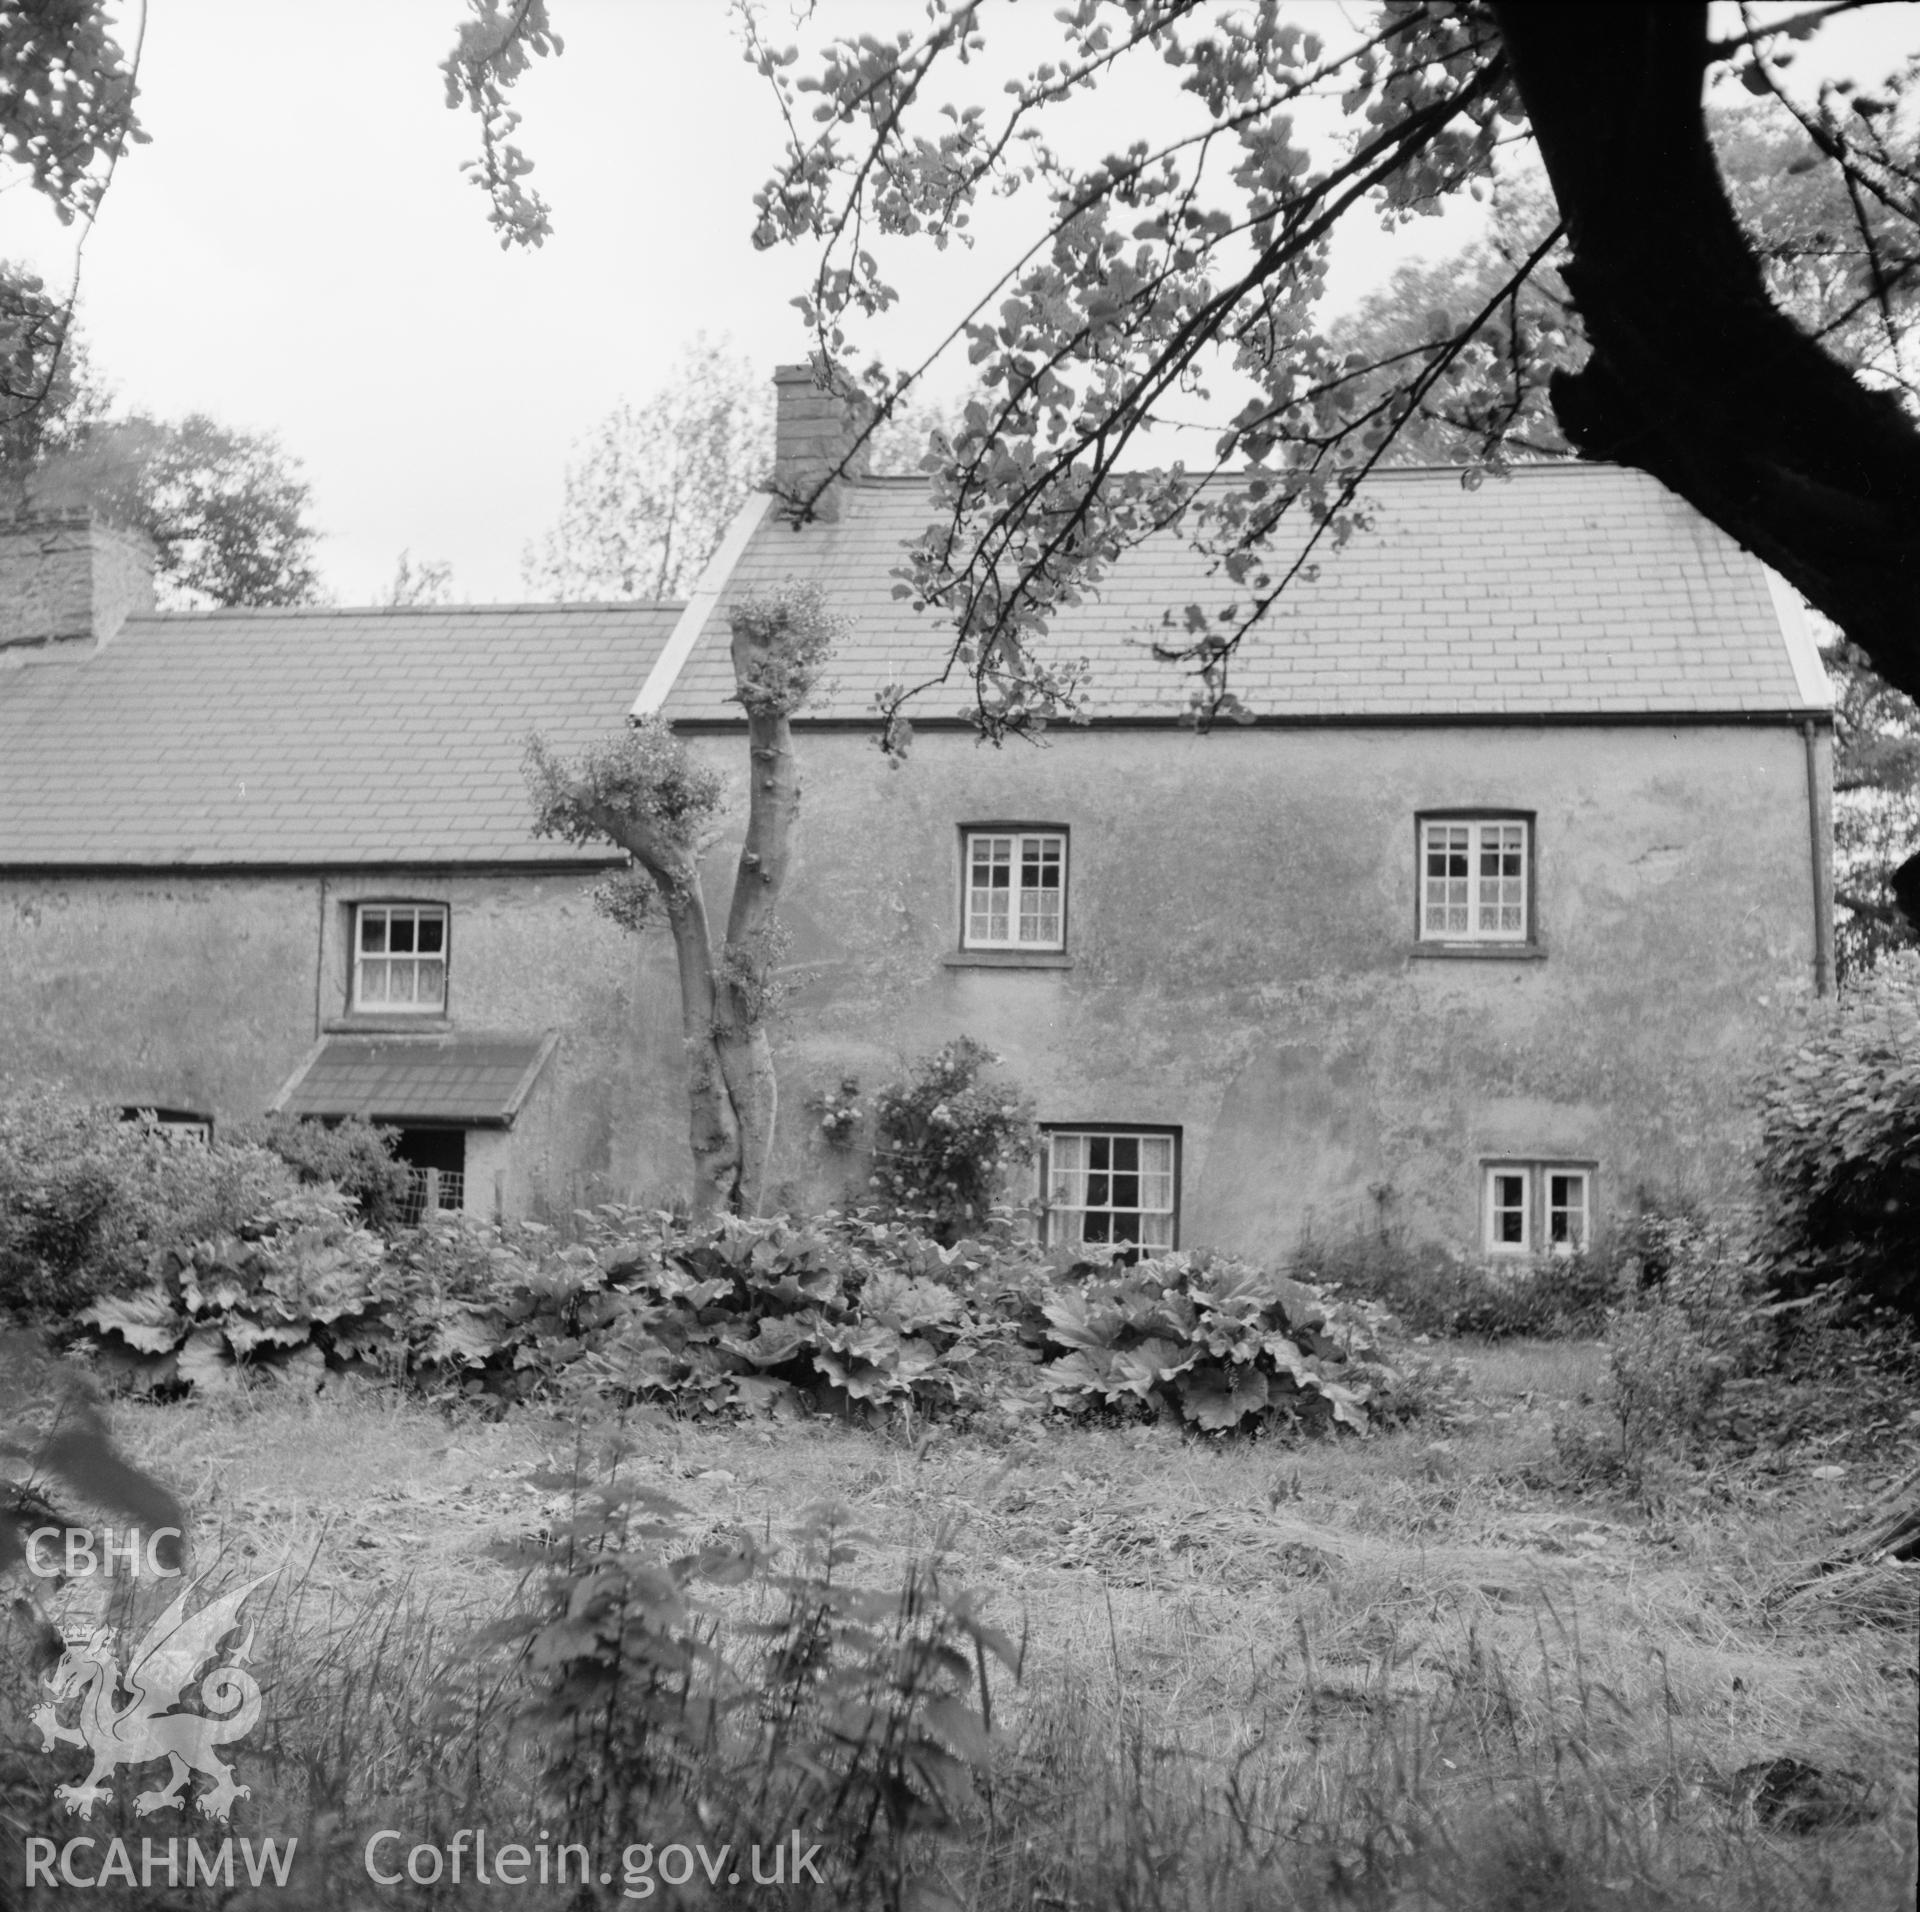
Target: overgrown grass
[1415, 1671]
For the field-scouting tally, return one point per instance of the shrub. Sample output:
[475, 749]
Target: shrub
[1839, 1153]
[1430, 1290]
[354, 1155]
[87, 1199]
[59, 1167]
[1221, 1343]
[299, 1286]
[1673, 1350]
[945, 1141]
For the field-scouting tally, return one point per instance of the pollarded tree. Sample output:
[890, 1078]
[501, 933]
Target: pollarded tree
[646, 792]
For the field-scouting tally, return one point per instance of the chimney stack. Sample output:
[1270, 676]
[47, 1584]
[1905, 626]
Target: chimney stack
[66, 577]
[814, 424]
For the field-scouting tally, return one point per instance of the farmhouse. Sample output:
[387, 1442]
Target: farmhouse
[255, 859]
[1475, 929]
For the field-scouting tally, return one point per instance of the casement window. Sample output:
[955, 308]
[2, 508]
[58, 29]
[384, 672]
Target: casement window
[400, 958]
[1475, 879]
[1537, 1208]
[1016, 889]
[1110, 1186]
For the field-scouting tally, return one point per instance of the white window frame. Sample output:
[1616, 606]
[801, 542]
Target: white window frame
[1537, 1208]
[364, 915]
[1016, 838]
[1483, 835]
[1064, 1220]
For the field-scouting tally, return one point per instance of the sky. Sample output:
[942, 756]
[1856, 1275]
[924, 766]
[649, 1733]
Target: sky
[297, 251]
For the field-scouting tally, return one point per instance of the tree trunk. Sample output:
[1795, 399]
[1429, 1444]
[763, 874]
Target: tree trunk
[713, 1130]
[751, 954]
[1696, 377]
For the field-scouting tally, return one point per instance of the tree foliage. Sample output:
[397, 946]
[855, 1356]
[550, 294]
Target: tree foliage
[652, 489]
[1855, 288]
[1195, 261]
[490, 52]
[1876, 807]
[1840, 1147]
[648, 793]
[420, 582]
[224, 509]
[66, 101]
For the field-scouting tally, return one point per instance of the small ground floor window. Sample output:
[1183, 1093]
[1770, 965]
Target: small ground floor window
[1537, 1208]
[436, 1162]
[1111, 1186]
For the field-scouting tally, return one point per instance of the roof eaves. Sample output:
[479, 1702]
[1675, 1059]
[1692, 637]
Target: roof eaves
[706, 594]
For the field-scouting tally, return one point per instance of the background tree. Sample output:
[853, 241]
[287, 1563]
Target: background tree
[653, 488]
[1198, 262]
[1876, 807]
[649, 794]
[430, 581]
[226, 510]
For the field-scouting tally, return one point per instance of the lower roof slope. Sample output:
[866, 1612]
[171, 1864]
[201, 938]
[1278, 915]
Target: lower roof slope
[1566, 589]
[310, 737]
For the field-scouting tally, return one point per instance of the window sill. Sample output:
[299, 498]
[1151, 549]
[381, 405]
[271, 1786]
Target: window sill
[1479, 952]
[386, 1025]
[1008, 959]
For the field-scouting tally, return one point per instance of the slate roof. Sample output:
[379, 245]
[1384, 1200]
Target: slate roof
[476, 1081]
[310, 736]
[1566, 589]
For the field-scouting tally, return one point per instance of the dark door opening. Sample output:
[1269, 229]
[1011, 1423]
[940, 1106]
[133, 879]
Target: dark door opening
[437, 1161]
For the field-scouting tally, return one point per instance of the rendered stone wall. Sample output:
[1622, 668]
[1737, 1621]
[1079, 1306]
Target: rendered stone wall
[206, 992]
[1244, 964]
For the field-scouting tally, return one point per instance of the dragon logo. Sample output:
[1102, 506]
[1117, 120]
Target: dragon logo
[145, 1725]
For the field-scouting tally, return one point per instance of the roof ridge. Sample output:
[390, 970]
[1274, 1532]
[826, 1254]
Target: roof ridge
[895, 480]
[218, 613]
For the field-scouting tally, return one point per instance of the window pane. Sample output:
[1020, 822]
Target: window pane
[1040, 916]
[373, 932]
[1567, 1210]
[433, 933]
[1068, 1162]
[373, 981]
[432, 986]
[1509, 1205]
[1447, 877]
